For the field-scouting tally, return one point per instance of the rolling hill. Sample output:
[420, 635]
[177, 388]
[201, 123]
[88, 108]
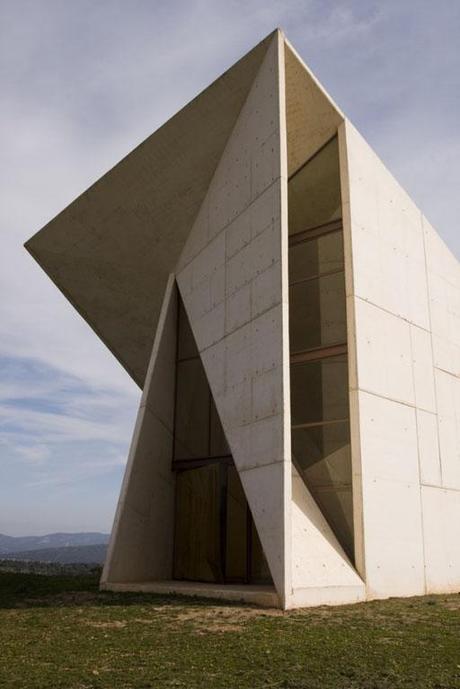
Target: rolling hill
[20, 544]
[85, 554]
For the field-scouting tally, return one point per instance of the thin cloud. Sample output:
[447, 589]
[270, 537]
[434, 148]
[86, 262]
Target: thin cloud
[82, 84]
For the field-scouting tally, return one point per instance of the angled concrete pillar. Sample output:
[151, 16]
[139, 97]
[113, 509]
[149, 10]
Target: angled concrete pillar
[231, 277]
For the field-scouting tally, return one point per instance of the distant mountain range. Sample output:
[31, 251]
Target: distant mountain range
[14, 545]
[70, 554]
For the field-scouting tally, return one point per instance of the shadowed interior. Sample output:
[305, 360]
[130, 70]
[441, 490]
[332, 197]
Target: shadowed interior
[215, 539]
[318, 340]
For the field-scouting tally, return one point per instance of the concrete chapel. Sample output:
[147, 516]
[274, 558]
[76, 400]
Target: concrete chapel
[294, 323]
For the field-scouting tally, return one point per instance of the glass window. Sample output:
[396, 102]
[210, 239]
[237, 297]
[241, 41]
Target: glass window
[315, 448]
[317, 320]
[323, 458]
[317, 313]
[314, 191]
[319, 391]
[316, 256]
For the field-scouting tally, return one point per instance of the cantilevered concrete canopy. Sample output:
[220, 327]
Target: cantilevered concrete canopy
[111, 250]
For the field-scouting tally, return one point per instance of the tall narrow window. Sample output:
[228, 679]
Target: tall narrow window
[318, 340]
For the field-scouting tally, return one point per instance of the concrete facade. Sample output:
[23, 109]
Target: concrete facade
[403, 382]
[220, 245]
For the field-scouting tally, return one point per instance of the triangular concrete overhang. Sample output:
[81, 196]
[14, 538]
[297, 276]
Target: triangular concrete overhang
[111, 250]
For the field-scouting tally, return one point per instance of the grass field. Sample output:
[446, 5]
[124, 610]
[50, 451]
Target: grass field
[61, 632]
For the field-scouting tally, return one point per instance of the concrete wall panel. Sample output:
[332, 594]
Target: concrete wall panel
[428, 448]
[393, 539]
[441, 519]
[384, 356]
[387, 237]
[443, 273]
[388, 440]
[422, 366]
[391, 498]
[448, 397]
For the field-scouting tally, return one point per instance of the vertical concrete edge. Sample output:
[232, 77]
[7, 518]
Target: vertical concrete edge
[287, 474]
[356, 459]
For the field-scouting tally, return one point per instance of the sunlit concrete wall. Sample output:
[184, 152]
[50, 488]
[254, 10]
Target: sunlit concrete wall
[403, 305]
[440, 452]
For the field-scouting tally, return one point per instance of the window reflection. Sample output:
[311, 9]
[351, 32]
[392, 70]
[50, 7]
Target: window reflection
[319, 391]
[318, 335]
[314, 190]
[317, 312]
[316, 256]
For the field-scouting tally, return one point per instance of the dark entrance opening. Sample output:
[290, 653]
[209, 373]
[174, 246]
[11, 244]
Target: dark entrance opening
[215, 539]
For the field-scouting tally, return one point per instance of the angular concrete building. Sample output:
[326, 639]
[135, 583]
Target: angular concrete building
[293, 321]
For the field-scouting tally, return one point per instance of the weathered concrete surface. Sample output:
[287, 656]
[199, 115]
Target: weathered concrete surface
[403, 303]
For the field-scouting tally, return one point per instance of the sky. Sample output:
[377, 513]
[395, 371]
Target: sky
[83, 83]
